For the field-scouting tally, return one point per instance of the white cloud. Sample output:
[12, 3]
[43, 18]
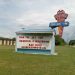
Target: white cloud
[34, 18]
[17, 13]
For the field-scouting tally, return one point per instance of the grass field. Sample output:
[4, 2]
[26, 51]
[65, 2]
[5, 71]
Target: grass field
[12, 63]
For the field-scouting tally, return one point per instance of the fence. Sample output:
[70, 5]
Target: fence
[7, 41]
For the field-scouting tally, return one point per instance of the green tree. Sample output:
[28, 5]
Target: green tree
[72, 42]
[59, 41]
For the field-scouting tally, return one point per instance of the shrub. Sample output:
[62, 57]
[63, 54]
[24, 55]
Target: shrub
[72, 42]
[59, 41]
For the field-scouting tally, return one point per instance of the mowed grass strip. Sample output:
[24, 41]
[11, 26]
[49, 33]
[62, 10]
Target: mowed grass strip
[12, 63]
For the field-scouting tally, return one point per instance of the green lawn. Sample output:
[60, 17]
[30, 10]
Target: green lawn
[12, 63]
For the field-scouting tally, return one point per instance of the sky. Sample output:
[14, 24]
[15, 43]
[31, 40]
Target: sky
[18, 14]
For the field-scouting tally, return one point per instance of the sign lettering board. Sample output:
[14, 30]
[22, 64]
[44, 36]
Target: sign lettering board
[34, 43]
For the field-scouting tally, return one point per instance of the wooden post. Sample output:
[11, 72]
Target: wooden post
[0, 42]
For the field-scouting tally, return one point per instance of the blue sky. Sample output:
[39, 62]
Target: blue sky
[16, 14]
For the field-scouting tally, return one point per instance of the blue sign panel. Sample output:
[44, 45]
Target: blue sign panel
[56, 24]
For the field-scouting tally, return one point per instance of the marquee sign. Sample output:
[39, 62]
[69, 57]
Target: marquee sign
[33, 42]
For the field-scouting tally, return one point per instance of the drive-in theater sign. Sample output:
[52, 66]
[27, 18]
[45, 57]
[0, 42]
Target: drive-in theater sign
[35, 41]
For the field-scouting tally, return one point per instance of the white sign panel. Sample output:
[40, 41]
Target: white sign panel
[34, 42]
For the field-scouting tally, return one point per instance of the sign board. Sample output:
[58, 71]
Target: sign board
[56, 24]
[35, 43]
